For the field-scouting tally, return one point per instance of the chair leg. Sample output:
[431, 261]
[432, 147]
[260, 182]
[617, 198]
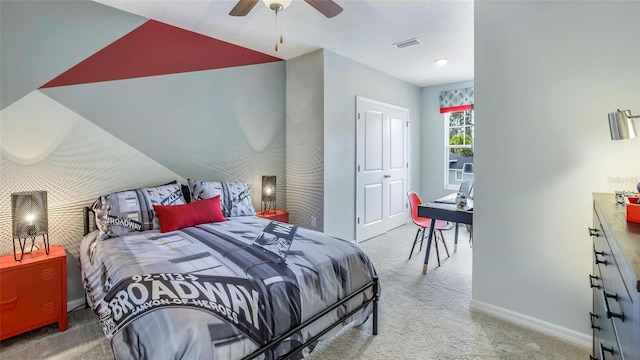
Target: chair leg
[422, 239]
[414, 243]
[437, 251]
[444, 242]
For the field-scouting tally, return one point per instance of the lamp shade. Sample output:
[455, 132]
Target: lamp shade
[621, 125]
[29, 214]
[268, 188]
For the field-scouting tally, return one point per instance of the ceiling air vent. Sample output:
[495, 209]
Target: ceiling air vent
[407, 43]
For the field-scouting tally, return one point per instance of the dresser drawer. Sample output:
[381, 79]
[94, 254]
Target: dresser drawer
[605, 342]
[615, 296]
[621, 308]
[626, 328]
[597, 315]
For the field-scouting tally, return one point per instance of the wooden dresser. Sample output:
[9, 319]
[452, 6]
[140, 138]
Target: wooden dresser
[615, 318]
[33, 292]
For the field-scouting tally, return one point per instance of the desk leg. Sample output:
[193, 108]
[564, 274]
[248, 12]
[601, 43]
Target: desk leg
[455, 241]
[426, 257]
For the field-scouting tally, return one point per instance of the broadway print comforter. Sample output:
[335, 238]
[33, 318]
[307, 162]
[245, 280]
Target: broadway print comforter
[211, 292]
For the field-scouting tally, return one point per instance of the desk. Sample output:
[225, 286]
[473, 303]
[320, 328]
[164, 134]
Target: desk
[450, 199]
[442, 211]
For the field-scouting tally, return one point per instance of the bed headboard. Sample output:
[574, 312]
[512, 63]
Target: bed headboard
[89, 218]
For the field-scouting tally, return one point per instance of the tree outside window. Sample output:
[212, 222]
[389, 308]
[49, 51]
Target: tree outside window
[459, 146]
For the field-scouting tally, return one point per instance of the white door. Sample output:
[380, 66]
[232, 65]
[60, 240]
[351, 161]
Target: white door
[381, 170]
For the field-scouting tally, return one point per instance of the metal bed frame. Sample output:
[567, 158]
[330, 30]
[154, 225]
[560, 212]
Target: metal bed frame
[373, 284]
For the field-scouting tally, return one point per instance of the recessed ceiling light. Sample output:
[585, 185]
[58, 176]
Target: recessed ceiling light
[442, 62]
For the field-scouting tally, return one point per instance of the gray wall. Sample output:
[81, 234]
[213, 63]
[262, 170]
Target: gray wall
[40, 39]
[89, 139]
[224, 124]
[344, 79]
[305, 140]
[432, 140]
[546, 75]
[80, 141]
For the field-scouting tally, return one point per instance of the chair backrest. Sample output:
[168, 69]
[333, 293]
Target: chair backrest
[466, 187]
[414, 201]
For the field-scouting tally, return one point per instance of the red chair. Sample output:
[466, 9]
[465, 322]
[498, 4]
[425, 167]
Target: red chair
[424, 224]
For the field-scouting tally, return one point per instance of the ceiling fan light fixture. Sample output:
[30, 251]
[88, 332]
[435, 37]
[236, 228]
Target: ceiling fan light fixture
[277, 5]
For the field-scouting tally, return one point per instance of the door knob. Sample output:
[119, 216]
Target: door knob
[387, 176]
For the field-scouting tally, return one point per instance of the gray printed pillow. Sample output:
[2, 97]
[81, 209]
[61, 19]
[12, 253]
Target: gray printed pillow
[234, 195]
[199, 190]
[237, 198]
[123, 212]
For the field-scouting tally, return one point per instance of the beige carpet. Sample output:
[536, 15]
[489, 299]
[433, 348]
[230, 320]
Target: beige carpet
[421, 317]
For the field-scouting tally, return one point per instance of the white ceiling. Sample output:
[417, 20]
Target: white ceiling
[365, 32]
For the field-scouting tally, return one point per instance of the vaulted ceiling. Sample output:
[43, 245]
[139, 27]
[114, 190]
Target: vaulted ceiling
[364, 31]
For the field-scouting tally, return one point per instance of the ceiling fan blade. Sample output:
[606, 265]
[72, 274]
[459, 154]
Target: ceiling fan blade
[243, 7]
[328, 8]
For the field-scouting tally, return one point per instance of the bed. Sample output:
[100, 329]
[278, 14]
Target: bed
[217, 290]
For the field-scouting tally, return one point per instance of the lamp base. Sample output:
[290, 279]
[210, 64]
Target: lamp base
[269, 207]
[22, 243]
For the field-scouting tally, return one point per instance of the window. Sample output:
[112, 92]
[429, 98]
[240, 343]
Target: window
[458, 132]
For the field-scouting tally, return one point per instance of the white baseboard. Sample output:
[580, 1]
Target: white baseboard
[72, 304]
[572, 336]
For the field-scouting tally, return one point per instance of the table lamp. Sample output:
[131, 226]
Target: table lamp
[621, 125]
[268, 193]
[29, 220]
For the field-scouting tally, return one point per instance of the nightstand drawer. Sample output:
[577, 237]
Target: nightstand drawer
[33, 292]
[28, 297]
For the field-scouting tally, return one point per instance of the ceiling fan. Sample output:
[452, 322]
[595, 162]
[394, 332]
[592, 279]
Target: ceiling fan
[328, 8]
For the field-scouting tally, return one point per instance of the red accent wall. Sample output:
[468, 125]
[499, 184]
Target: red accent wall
[154, 49]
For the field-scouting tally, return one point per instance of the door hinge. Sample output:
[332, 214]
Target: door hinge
[407, 165]
[407, 124]
[358, 168]
[358, 220]
[407, 206]
[358, 116]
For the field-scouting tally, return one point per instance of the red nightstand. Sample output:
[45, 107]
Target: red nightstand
[277, 215]
[33, 292]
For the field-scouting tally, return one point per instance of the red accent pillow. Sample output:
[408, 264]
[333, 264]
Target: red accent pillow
[176, 217]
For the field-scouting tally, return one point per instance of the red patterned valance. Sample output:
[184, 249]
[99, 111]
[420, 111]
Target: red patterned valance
[456, 108]
[456, 100]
